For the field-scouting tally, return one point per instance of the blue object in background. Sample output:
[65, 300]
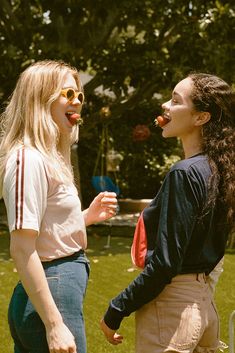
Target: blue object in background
[104, 183]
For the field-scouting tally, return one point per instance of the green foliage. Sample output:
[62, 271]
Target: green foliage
[135, 52]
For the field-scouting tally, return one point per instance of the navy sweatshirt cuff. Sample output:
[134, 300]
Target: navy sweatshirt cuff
[113, 318]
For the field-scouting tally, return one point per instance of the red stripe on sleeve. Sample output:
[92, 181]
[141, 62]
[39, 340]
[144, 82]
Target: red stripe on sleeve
[22, 191]
[19, 189]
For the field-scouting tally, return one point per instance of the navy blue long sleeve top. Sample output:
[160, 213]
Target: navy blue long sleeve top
[185, 242]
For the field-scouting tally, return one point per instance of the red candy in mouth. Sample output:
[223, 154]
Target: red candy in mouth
[162, 120]
[73, 118]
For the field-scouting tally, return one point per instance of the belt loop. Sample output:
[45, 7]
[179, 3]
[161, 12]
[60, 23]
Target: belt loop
[204, 277]
[201, 277]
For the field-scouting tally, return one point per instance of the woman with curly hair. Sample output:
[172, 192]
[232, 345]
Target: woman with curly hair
[187, 226]
[47, 225]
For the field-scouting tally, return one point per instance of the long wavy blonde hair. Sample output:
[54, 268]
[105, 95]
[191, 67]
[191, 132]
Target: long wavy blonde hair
[27, 119]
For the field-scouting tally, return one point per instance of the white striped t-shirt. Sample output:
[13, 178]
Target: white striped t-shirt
[35, 200]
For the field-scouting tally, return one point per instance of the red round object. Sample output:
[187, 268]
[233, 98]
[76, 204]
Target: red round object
[141, 133]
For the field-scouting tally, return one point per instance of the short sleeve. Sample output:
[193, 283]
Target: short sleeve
[25, 189]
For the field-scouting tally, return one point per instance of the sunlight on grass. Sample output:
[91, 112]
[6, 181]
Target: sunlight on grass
[225, 294]
[111, 271]
[8, 278]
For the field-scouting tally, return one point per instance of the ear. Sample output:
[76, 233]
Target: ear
[202, 118]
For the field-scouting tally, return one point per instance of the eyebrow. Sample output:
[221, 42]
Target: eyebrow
[176, 94]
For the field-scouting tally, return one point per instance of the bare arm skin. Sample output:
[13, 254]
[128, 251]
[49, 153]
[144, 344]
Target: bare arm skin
[31, 273]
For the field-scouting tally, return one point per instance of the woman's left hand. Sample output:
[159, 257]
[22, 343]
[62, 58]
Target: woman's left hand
[104, 206]
[111, 336]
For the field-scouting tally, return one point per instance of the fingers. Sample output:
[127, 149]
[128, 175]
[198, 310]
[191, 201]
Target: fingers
[110, 210]
[71, 349]
[111, 336]
[109, 202]
[108, 194]
[61, 340]
[109, 197]
[115, 339]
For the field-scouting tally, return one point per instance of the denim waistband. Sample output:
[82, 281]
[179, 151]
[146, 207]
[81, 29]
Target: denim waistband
[80, 256]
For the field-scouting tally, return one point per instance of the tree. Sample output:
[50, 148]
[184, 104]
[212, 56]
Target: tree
[137, 50]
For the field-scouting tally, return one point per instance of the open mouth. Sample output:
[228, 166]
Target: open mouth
[162, 120]
[73, 117]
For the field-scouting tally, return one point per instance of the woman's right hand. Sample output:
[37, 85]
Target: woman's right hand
[60, 339]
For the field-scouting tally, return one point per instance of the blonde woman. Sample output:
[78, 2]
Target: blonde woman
[46, 223]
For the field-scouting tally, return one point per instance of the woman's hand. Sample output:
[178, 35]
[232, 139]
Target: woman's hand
[111, 336]
[60, 339]
[104, 206]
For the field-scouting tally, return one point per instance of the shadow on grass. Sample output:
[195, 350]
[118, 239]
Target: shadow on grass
[106, 240]
[4, 243]
[230, 251]
[102, 240]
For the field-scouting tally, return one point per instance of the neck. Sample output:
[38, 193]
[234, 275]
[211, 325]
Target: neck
[192, 146]
[64, 149]
[193, 152]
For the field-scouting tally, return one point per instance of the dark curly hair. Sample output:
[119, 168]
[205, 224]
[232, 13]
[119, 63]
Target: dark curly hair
[211, 94]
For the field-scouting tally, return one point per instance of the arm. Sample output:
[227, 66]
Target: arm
[33, 278]
[103, 207]
[173, 236]
[113, 337]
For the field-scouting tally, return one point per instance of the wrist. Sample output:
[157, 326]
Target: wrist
[87, 218]
[53, 321]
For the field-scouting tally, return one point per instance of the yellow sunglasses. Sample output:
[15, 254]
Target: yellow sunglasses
[71, 94]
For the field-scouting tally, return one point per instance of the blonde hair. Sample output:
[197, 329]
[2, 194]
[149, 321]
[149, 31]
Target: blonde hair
[27, 119]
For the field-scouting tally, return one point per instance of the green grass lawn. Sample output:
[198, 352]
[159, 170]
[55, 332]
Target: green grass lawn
[111, 271]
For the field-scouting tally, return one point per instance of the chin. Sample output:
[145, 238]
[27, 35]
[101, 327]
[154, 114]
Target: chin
[165, 134]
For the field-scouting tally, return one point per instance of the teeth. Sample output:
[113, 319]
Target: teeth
[70, 113]
[166, 116]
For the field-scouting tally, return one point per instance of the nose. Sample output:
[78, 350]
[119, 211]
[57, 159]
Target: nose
[76, 101]
[166, 105]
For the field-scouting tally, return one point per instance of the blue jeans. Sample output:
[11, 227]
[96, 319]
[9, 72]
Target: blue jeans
[67, 279]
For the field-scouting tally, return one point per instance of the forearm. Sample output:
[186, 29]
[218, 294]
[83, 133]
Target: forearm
[33, 278]
[145, 287]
